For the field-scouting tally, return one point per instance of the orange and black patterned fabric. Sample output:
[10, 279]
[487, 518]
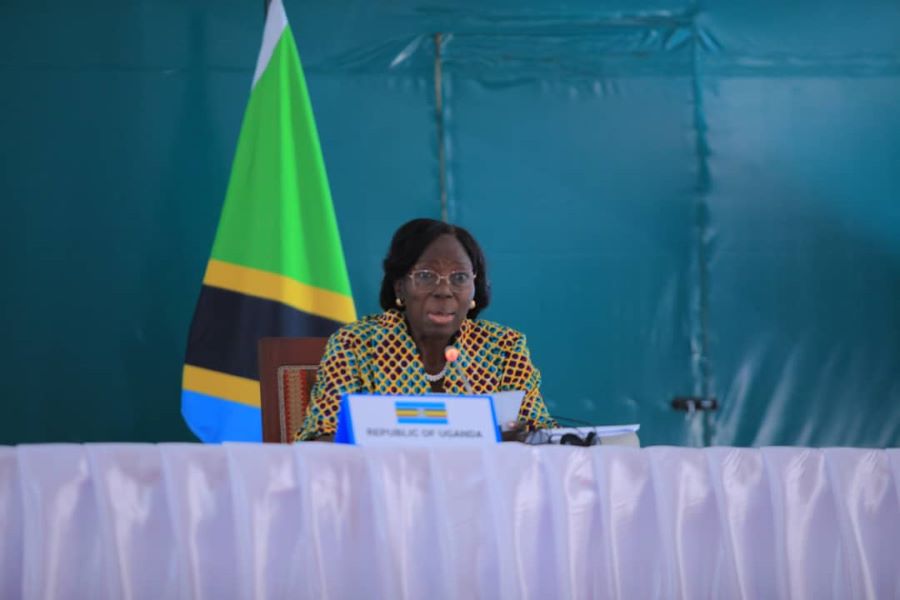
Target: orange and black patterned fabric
[378, 355]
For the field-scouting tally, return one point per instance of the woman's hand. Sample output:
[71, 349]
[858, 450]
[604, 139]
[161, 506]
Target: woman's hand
[515, 432]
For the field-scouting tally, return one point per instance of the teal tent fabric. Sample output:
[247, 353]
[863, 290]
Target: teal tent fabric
[675, 199]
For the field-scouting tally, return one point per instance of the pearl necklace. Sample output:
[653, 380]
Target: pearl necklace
[437, 376]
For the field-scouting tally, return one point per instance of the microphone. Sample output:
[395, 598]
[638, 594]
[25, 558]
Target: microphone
[451, 354]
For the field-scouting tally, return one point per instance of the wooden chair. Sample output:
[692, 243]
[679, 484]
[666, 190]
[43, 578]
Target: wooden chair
[287, 372]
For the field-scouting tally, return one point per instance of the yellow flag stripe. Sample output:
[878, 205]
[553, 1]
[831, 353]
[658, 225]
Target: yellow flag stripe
[221, 385]
[271, 286]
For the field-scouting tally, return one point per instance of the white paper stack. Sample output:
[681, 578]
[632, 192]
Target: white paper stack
[604, 435]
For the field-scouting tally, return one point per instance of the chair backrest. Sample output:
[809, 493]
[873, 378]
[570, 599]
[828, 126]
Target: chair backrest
[287, 372]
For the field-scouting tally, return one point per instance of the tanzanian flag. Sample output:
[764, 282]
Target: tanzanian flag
[276, 267]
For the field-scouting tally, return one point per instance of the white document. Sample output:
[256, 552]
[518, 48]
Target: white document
[506, 406]
[614, 435]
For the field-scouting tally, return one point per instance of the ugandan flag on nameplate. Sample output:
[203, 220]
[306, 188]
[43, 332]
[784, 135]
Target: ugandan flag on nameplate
[276, 268]
[421, 413]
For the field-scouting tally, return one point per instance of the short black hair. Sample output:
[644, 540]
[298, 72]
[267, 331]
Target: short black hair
[408, 244]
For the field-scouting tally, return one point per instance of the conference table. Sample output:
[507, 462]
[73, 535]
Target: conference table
[507, 521]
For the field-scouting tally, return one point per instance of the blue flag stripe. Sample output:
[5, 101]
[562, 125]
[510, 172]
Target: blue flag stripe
[215, 419]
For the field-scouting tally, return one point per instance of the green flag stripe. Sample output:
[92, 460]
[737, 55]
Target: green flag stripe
[277, 162]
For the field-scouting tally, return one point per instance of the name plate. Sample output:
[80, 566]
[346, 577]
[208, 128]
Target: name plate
[435, 419]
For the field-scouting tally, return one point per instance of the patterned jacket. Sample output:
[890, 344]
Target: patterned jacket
[376, 354]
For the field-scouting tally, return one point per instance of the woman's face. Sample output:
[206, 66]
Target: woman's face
[438, 311]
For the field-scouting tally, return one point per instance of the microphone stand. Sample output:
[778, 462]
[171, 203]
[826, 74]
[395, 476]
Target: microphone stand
[451, 354]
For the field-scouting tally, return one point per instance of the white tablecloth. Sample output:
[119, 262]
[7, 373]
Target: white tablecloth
[322, 521]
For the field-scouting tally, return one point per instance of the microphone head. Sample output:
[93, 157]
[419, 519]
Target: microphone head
[451, 354]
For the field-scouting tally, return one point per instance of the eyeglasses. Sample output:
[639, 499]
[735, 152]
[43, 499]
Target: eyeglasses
[426, 280]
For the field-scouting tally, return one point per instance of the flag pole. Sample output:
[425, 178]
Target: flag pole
[439, 122]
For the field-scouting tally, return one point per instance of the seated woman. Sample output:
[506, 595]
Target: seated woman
[435, 284]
